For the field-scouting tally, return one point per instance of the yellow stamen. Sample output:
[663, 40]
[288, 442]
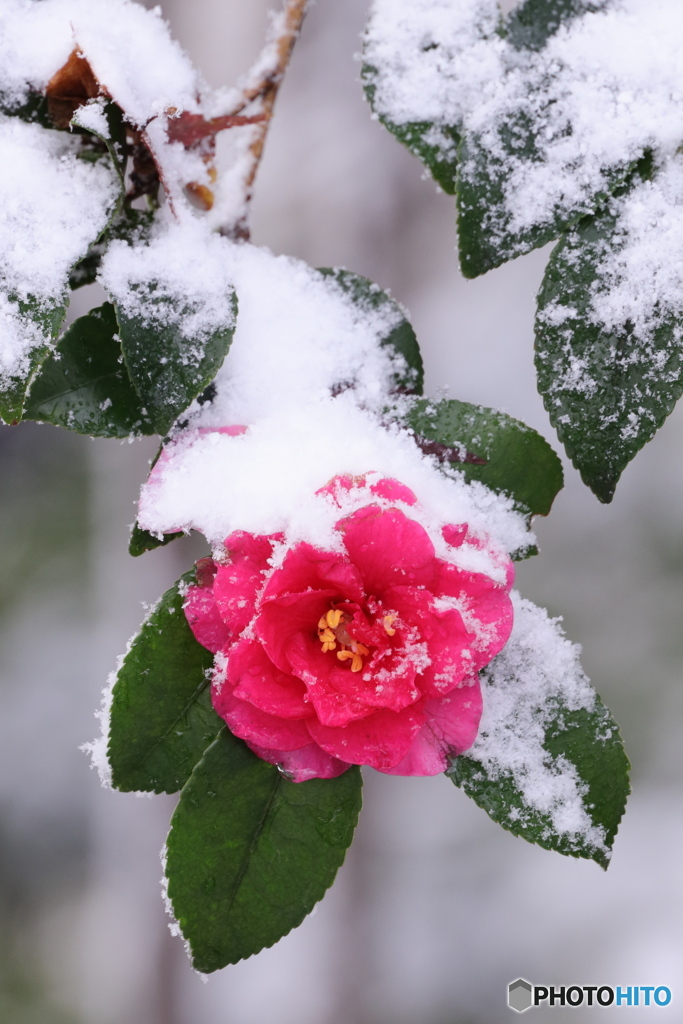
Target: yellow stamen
[328, 645]
[359, 649]
[387, 622]
[334, 617]
[322, 623]
[355, 659]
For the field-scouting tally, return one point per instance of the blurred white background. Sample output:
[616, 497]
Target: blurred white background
[436, 908]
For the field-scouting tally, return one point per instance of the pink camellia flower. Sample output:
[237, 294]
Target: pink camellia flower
[364, 655]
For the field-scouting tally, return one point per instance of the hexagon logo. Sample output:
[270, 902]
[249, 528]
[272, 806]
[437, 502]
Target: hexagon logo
[519, 995]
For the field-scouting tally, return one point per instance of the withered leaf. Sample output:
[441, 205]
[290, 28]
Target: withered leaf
[69, 88]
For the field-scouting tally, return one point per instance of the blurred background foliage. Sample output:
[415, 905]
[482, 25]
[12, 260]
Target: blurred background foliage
[436, 909]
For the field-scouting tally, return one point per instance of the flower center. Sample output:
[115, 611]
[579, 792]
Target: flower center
[333, 634]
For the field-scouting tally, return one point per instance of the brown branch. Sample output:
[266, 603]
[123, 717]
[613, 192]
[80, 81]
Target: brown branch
[265, 91]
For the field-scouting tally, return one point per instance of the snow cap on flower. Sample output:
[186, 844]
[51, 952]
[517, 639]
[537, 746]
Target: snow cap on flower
[362, 651]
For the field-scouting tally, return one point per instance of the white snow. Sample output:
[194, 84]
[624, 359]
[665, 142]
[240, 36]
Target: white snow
[604, 88]
[537, 673]
[641, 278]
[299, 343]
[614, 76]
[128, 47]
[53, 206]
[185, 266]
[91, 116]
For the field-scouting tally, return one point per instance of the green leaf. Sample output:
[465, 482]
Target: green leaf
[530, 25]
[114, 139]
[435, 145]
[489, 446]
[33, 109]
[588, 740]
[128, 224]
[168, 369]
[607, 391]
[602, 765]
[84, 385]
[250, 853]
[548, 764]
[162, 720]
[487, 236]
[42, 320]
[142, 540]
[398, 333]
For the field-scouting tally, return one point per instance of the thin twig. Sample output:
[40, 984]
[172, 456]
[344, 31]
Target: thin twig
[265, 91]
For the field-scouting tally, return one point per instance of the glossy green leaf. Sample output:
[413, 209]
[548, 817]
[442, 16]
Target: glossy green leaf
[486, 238]
[142, 540]
[33, 109]
[489, 446]
[114, 139]
[607, 391]
[84, 384]
[436, 146]
[533, 22]
[589, 741]
[250, 853]
[130, 225]
[168, 369]
[487, 235]
[161, 720]
[43, 319]
[398, 334]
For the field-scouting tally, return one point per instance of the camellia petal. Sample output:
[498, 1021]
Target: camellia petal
[254, 678]
[450, 728]
[393, 490]
[240, 579]
[340, 696]
[388, 549]
[282, 619]
[204, 619]
[486, 609]
[442, 631]
[308, 568]
[380, 740]
[366, 656]
[305, 763]
[256, 726]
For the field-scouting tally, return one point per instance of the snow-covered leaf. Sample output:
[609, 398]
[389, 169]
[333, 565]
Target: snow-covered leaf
[28, 326]
[549, 764]
[105, 121]
[84, 385]
[553, 106]
[395, 334]
[488, 231]
[533, 22]
[250, 853]
[168, 366]
[434, 145]
[142, 540]
[161, 720]
[129, 225]
[31, 108]
[53, 205]
[609, 332]
[491, 447]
